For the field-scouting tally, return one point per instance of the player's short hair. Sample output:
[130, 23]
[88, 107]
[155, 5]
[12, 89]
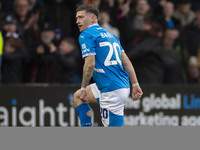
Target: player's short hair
[89, 9]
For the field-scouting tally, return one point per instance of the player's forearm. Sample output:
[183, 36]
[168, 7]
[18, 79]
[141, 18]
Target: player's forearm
[128, 67]
[131, 72]
[87, 75]
[88, 70]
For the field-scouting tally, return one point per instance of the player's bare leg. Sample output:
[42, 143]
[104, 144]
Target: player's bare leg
[84, 110]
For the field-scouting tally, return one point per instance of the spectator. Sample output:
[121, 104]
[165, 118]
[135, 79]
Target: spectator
[193, 70]
[10, 30]
[129, 23]
[63, 62]
[12, 69]
[105, 22]
[192, 34]
[27, 24]
[145, 54]
[55, 65]
[184, 12]
[21, 9]
[9, 26]
[61, 17]
[142, 12]
[173, 69]
[40, 72]
[167, 19]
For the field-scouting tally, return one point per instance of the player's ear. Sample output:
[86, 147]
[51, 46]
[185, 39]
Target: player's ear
[94, 18]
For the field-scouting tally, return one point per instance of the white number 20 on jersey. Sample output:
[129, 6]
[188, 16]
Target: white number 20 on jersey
[113, 47]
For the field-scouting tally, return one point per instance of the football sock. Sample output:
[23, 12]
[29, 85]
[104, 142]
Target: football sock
[85, 115]
[116, 120]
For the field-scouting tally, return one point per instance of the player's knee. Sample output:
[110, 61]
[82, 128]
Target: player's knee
[77, 100]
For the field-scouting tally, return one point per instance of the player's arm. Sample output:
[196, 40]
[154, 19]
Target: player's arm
[128, 67]
[88, 70]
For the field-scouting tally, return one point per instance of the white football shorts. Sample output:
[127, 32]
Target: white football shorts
[111, 103]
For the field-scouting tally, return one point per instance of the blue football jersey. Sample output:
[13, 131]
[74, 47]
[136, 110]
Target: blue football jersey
[108, 74]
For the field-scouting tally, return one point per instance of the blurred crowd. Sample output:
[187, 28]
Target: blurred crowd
[161, 38]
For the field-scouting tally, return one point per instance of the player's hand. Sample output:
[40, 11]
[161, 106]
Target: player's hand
[84, 97]
[136, 93]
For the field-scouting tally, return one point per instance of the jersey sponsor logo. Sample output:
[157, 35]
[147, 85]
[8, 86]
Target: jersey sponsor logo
[83, 46]
[86, 50]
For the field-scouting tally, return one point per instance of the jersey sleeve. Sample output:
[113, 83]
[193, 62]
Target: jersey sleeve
[121, 49]
[87, 44]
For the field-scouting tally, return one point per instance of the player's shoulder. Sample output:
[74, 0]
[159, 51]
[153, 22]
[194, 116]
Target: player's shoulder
[85, 34]
[115, 37]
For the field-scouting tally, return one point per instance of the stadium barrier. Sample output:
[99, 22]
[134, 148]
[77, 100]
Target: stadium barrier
[39, 105]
